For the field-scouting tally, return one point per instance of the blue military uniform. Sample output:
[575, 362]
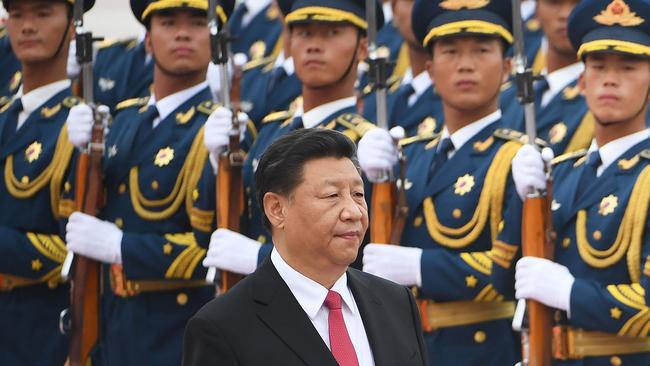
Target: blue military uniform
[456, 205]
[122, 70]
[391, 45]
[564, 122]
[9, 69]
[260, 37]
[34, 161]
[599, 215]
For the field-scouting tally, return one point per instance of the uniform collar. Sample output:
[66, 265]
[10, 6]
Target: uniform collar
[170, 103]
[560, 79]
[317, 115]
[421, 83]
[460, 137]
[613, 150]
[309, 293]
[285, 63]
[35, 98]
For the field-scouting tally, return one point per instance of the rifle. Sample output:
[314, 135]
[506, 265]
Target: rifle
[230, 198]
[537, 232]
[81, 320]
[388, 206]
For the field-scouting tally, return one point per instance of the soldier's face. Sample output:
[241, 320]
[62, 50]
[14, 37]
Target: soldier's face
[179, 41]
[468, 71]
[322, 52]
[325, 218]
[615, 86]
[402, 10]
[553, 15]
[36, 29]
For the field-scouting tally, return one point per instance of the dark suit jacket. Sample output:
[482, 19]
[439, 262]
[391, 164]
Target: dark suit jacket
[259, 322]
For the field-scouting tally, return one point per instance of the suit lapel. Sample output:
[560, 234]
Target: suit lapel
[373, 314]
[281, 312]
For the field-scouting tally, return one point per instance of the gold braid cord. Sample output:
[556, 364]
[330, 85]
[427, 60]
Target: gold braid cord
[53, 174]
[188, 178]
[630, 233]
[490, 205]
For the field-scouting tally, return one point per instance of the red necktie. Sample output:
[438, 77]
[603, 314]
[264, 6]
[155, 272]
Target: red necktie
[340, 342]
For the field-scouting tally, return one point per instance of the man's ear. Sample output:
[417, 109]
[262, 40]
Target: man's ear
[507, 69]
[147, 43]
[581, 83]
[362, 52]
[275, 209]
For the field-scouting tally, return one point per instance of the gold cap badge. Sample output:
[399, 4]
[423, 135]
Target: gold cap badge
[466, 4]
[618, 12]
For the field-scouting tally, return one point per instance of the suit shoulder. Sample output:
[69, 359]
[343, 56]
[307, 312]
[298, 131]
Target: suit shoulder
[569, 156]
[133, 102]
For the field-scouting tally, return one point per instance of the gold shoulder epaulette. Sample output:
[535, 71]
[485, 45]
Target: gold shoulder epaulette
[277, 116]
[418, 138]
[207, 107]
[393, 83]
[108, 42]
[70, 102]
[569, 156]
[350, 120]
[133, 102]
[253, 64]
[533, 25]
[508, 134]
[645, 154]
[3, 101]
[3, 32]
[505, 86]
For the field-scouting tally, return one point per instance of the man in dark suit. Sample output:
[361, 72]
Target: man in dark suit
[303, 305]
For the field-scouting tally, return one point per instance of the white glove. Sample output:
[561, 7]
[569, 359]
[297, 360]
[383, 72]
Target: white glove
[80, 125]
[377, 151]
[528, 171]
[232, 252]
[393, 262]
[72, 66]
[93, 238]
[217, 132]
[545, 281]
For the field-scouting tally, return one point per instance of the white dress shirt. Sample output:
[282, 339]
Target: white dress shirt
[317, 115]
[253, 7]
[560, 79]
[285, 63]
[36, 98]
[460, 137]
[170, 103]
[311, 297]
[612, 150]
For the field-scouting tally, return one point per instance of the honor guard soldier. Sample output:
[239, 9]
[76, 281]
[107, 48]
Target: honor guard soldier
[270, 86]
[561, 112]
[256, 27]
[10, 74]
[412, 101]
[327, 43]
[35, 154]
[600, 280]
[457, 185]
[154, 158]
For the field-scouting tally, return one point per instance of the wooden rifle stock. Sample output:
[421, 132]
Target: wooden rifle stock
[388, 209]
[230, 197]
[537, 241]
[85, 287]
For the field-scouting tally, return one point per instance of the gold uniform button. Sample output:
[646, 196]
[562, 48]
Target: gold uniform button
[457, 213]
[155, 185]
[181, 299]
[615, 361]
[195, 195]
[122, 188]
[67, 187]
[597, 235]
[261, 239]
[24, 179]
[119, 222]
[418, 221]
[480, 336]
[566, 242]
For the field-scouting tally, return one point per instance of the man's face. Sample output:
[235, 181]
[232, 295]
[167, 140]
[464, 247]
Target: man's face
[36, 28]
[402, 10]
[468, 71]
[179, 41]
[615, 86]
[322, 52]
[553, 15]
[326, 216]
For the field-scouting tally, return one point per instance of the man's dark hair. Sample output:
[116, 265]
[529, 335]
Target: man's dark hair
[280, 169]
